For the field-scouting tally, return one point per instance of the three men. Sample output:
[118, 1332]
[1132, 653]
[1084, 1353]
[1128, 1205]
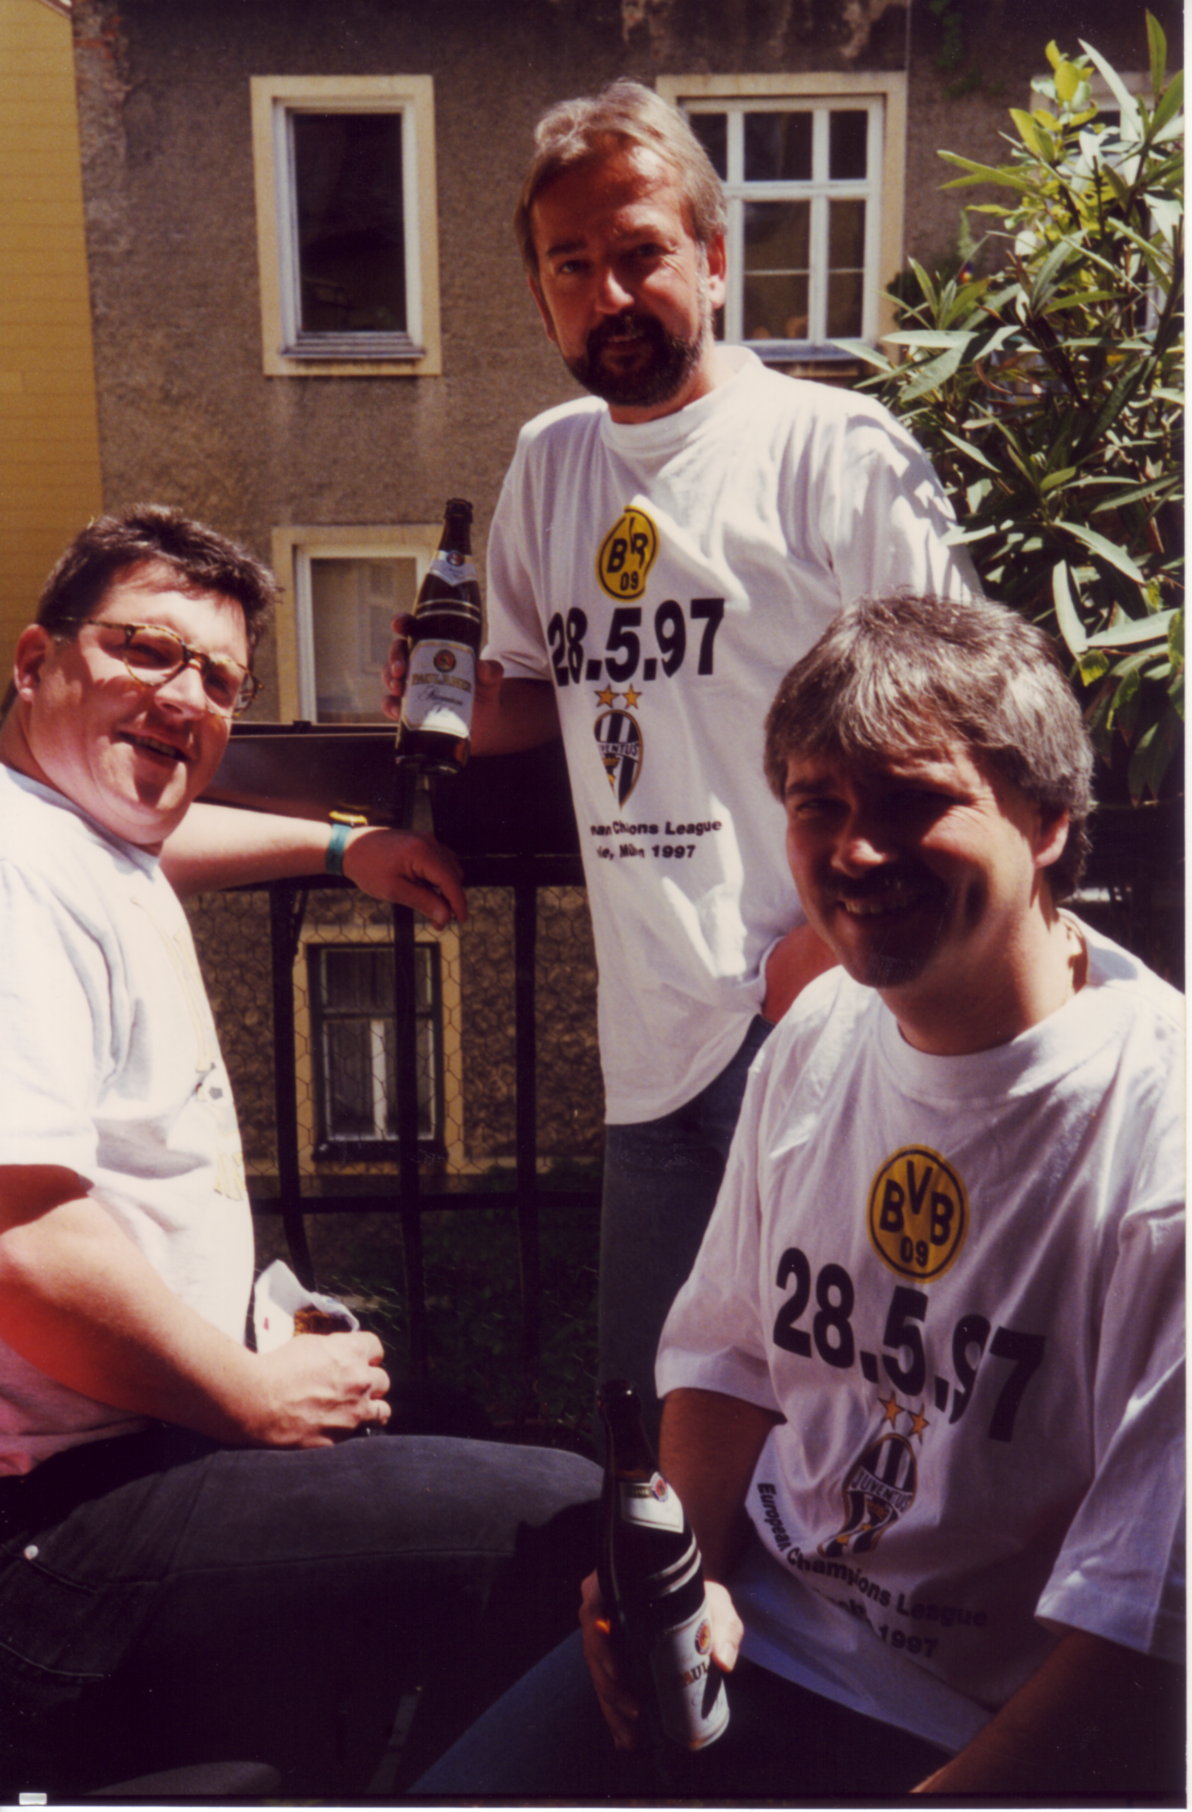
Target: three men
[194, 1562]
[923, 1388]
[659, 551]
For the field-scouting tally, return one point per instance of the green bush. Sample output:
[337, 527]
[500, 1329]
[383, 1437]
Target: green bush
[1049, 393]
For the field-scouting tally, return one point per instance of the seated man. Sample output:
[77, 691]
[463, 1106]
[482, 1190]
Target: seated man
[194, 1563]
[923, 1385]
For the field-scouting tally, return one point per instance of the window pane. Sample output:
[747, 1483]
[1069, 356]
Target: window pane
[357, 980]
[349, 1079]
[352, 602]
[776, 307]
[711, 129]
[778, 147]
[351, 242]
[844, 304]
[846, 235]
[848, 134]
[777, 235]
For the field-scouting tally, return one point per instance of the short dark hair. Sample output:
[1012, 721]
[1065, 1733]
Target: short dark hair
[625, 115]
[896, 675]
[198, 557]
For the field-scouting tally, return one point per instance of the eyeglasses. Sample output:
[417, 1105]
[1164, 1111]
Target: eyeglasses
[154, 654]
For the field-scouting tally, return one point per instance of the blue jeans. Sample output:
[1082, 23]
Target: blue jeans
[546, 1739]
[661, 1179]
[164, 1600]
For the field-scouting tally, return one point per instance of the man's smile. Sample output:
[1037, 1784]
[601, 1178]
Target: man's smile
[154, 746]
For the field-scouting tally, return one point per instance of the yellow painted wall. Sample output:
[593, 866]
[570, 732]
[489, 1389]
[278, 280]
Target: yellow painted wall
[49, 442]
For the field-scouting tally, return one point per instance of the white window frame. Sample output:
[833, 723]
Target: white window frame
[293, 550]
[883, 97]
[285, 351]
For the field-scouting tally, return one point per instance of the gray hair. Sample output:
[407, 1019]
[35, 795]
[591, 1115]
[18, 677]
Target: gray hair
[894, 676]
[625, 115]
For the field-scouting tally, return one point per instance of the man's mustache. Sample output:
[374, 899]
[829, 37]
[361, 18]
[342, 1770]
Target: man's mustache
[904, 878]
[624, 327]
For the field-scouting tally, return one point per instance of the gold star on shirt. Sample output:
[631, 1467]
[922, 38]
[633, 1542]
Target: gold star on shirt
[892, 1408]
[918, 1422]
[631, 698]
[606, 697]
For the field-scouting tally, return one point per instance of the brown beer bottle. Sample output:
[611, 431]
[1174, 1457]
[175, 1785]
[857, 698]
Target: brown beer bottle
[652, 1583]
[436, 709]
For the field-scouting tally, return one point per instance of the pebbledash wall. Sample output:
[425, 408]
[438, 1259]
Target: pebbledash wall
[188, 412]
[318, 457]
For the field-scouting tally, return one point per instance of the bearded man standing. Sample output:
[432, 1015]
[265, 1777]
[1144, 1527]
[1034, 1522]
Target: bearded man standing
[660, 552]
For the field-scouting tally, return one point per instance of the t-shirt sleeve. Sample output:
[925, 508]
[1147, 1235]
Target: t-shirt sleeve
[53, 993]
[1120, 1571]
[894, 520]
[713, 1337]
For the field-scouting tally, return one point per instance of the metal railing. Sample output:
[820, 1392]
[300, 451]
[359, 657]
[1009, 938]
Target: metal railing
[527, 970]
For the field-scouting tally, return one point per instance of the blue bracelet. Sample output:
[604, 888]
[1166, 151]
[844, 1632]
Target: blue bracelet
[333, 860]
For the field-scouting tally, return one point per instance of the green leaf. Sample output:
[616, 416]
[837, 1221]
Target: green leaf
[1005, 177]
[1156, 39]
[1169, 104]
[1108, 550]
[1067, 81]
[929, 338]
[1135, 629]
[1121, 94]
[1034, 135]
[1092, 666]
[935, 372]
[1067, 614]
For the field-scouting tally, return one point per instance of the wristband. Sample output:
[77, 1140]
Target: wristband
[342, 826]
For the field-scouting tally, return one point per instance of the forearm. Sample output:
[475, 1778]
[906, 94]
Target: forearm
[515, 715]
[80, 1302]
[1095, 1717]
[222, 846]
[710, 1445]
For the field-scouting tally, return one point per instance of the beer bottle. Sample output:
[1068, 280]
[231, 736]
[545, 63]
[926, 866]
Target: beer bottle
[436, 709]
[652, 1583]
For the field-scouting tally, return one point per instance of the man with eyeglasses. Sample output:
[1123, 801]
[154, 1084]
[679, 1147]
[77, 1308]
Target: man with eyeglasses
[194, 1562]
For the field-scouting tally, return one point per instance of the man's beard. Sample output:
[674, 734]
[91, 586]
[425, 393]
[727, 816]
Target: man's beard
[664, 368]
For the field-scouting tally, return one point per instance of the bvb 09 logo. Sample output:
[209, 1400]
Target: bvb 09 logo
[918, 1213]
[626, 555]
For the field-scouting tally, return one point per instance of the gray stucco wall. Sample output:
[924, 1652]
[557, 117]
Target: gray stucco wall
[186, 414]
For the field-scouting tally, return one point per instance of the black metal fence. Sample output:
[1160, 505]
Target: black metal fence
[399, 1087]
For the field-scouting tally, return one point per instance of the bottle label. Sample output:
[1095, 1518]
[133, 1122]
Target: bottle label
[692, 1702]
[456, 569]
[652, 1506]
[440, 685]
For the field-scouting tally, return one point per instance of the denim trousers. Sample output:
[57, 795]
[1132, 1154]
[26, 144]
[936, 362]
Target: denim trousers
[661, 1179]
[546, 1739]
[165, 1601]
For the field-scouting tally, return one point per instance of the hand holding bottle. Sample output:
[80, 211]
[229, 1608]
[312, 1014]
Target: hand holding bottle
[393, 673]
[621, 1711]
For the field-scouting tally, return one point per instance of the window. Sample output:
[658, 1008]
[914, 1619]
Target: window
[347, 584]
[346, 224]
[813, 172]
[352, 1020]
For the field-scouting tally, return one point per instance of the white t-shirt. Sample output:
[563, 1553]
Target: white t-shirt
[110, 1066]
[960, 1280]
[665, 575]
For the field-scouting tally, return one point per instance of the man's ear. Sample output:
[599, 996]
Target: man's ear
[33, 648]
[1050, 839]
[716, 257]
[543, 310]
